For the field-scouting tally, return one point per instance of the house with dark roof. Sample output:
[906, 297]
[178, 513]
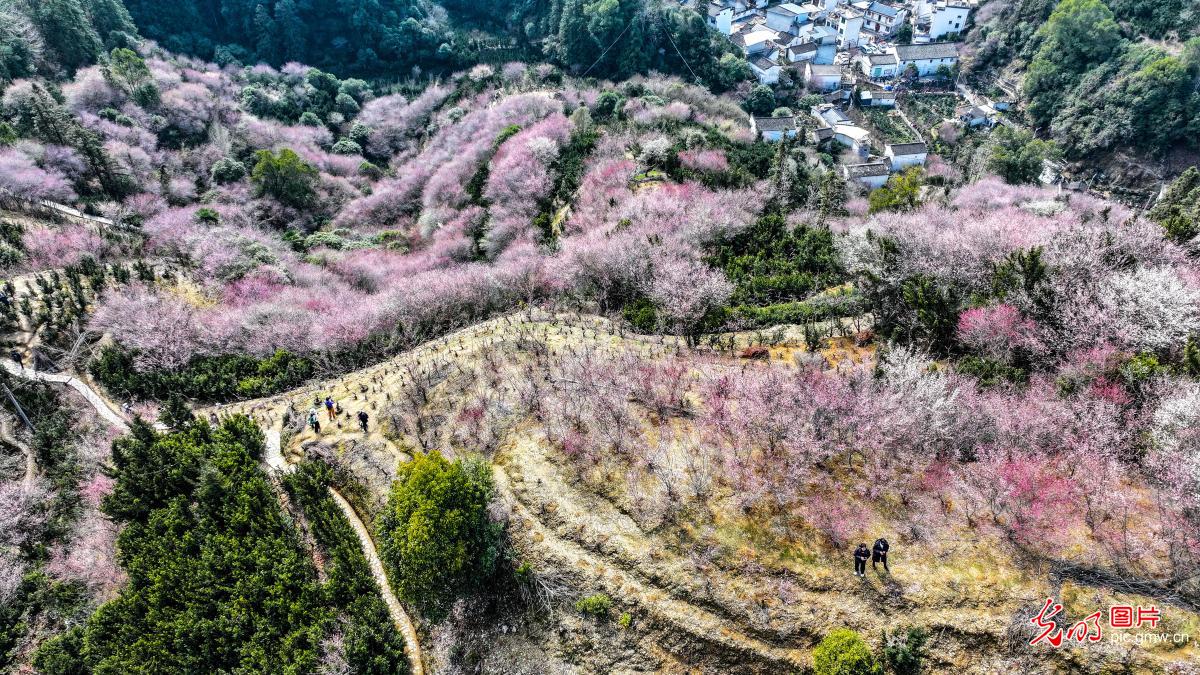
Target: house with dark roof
[926, 59]
[822, 77]
[774, 128]
[877, 97]
[904, 155]
[766, 69]
[869, 174]
[802, 52]
[878, 66]
[883, 19]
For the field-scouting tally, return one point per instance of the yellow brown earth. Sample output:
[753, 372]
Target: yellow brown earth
[697, 589]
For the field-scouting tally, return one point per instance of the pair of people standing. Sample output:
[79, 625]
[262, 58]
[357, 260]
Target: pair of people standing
[877, 554]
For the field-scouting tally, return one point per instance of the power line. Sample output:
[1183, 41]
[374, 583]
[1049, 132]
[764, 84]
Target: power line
[606, 49]
[681, 57]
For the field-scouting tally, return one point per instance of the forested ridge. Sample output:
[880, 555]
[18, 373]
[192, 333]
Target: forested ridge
[1094, 76]
[607, 38]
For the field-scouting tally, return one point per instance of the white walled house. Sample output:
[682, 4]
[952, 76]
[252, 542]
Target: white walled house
[854, 137]
[878, 66]
[870, 174]
[849, 28]
[884, 20]
[811, 32]
[927, 58]
[755, 41]
[822, 77]
[774, 129]
[784, 17]
[946, 18]
[720, 16]
[878, 98]
[803, 52]
[904, 155]
[766, 69]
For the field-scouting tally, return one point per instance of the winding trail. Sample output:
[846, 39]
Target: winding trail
[275, 462]
[7, 434]
[96, 400]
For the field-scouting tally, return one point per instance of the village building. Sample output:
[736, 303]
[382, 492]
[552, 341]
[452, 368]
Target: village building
[883, 20]
[876, 66]
[849, 27]
[936, 20]
[903, 155]
[870, 174]
[822, 77]
[774, 129]
[926, 59]
[766, 69]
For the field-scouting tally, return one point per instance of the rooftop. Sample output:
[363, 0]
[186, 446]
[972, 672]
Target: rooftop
[774, 123]
[933, 50]
[763, 63]
[867, 170]
[852, 131]
[907, 148]
[786, 8]
[884, 9]
[822, 69]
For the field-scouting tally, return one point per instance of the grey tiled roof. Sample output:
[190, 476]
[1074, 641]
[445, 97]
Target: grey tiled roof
[933, 50]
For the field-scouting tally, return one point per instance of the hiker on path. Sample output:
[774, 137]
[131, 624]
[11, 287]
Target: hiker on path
[329, 407]
[313, 421]
[362, 420]
[879, 554]
[860, 559]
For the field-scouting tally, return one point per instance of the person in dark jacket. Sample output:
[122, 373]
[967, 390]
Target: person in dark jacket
[860, 559]
[879, 554]
[362, 420]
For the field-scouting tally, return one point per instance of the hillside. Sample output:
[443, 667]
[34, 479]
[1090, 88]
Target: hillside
[715, 572]
[516, 369]
[1115, 85]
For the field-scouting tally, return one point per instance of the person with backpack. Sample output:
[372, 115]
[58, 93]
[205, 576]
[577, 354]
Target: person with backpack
[362, 420]
[879, 554]
[860, 559]
[313, 421]
[329, 407]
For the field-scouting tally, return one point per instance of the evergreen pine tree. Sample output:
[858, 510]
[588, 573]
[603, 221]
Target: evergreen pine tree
[67, 31]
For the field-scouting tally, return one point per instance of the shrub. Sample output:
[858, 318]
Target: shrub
[285, 177]
[436, 537]
[204, 378]
[843, 652]
[904, 653]
[608, 105]
[369, 170]
[228, 170]
[596, 605]
[346, 146]
[207, 215]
